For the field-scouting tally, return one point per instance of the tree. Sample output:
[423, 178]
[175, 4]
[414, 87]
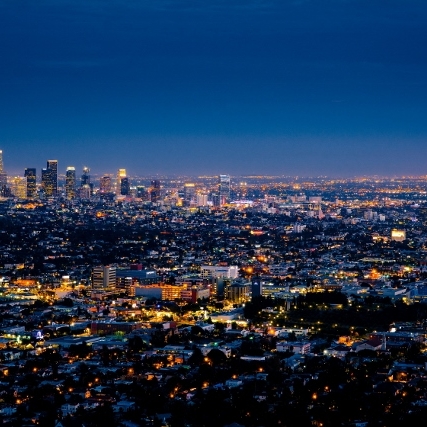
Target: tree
[105, 355]
[197, 330]
[196, 358]
[136, 343]
[67, 302]
[217, 357]
[292, 336]
[80, 350]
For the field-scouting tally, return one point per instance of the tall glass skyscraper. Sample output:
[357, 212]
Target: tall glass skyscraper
[124, 186]
[155, 192]
[85, 178]
[189, 193]
[105, 184]
[50, 179]
[3, 174]
[19, 187]
[85, 185]
[70, 183]
[224, 188]
[121, 173]
[30, 175]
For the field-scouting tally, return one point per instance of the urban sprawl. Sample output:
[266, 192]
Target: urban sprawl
[212, 301]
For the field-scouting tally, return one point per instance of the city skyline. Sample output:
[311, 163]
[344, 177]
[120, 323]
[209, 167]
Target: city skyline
[102, 172]
[285, 88]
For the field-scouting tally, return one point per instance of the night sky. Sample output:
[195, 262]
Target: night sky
[283, 87]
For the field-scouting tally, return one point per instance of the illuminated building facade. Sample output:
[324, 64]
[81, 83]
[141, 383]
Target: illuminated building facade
[85, 182]
[121, 173]
[215, 271]
[105, 185]
[155, 192]
[141, 192]
[189, 193]
[70, 183]
[128, 279]
[194, 293]
[3, 175]
[238, 293]
[219, 286]
[216, 200]
[398, 235]
[31, 181]
[124, 186]
[202, 200]
[160, 291]
[85, 178]
[84, 192]
[50, 179]
[104, 277]
[224, 189]
[19, 188]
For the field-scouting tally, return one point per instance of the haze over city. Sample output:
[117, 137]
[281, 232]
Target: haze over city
[334, 87]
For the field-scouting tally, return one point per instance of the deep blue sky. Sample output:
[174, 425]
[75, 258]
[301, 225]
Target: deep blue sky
[294, 87]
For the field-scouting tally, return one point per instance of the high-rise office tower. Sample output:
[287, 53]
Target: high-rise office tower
[224, 189]
[202, 200]
[3, 175]
[31, 177]
[141, 192]
[105, 185]
[70, 183]
[86, 187]
[216, 200]
[124, 186]
[104, 277]
[52, 165]
[121, 173]
[189, 193]
[155, 192]
[19, 188]
[50, 179]
[85, 180]
[256, 287]
[46, 182]
[84, 192]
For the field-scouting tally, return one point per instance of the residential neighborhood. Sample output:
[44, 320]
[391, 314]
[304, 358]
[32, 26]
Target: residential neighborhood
[292, 310]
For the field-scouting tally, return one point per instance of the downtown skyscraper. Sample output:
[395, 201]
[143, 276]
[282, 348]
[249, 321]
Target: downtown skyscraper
[224, 189]
[86, 186]
[121, 174]
[50, 179]
[3, 175]
[70, 183]
[156, 191]
[31, 178]
[105, 184]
